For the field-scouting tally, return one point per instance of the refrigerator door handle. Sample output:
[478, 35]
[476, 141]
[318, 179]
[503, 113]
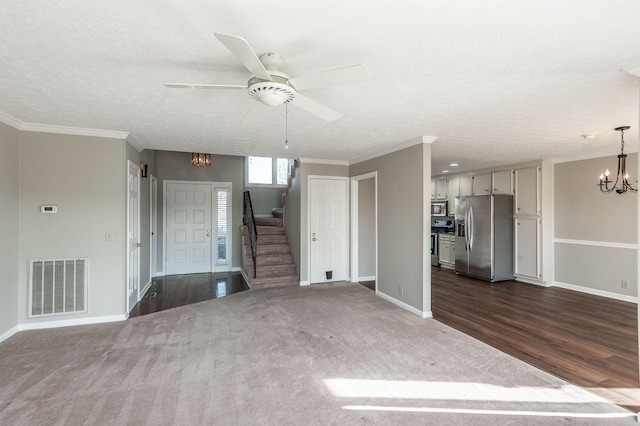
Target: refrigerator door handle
[466, 229]
[470, 233]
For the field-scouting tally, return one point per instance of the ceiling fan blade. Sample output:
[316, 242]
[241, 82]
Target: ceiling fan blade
[315, 108]
[245, 54]
[205, 86]
[338, 76]
[257, 112]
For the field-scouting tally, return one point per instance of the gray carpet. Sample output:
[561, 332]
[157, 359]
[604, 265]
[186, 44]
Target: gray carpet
[318, 355]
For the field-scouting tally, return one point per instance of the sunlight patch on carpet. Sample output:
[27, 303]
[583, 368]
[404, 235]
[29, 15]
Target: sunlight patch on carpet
[415, 389]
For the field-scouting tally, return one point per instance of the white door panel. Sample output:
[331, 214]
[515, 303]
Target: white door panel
[133, 236]
[188, 207]
[328, 227]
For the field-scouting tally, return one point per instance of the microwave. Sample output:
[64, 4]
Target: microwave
[439, 208]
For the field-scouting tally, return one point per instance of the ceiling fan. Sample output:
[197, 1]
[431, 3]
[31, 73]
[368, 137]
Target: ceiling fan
[271, 87]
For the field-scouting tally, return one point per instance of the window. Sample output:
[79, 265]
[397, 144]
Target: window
[222, 224]
[263, 171]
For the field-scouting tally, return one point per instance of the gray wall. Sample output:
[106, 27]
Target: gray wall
[292, 206]
[403, 223]
[224, 168]
[85, 177]
[265, 199]
[306, 170]
[595, 224]
[366, 228]
[9, 240]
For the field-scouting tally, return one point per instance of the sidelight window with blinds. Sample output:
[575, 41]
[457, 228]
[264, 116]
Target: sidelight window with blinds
[223, 218]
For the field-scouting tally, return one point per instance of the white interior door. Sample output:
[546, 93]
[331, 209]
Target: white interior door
[188, 227]
[328, 229]
[153, 225]
[133, 236]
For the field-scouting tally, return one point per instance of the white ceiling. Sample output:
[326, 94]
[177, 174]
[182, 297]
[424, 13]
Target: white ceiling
[496, 82]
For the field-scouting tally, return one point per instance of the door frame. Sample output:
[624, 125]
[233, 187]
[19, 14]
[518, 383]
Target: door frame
[346, 221]
[355, 181]
[153, 226]
[130, 167]
[215, 267]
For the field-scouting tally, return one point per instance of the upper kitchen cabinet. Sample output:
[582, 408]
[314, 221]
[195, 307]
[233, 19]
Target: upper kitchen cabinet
[453, 191]
[466, 186]
[502, 182]
[439, 189]
[527, 197]
[482, 184]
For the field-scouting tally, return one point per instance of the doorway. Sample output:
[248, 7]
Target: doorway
[328, 229]
[364, 234]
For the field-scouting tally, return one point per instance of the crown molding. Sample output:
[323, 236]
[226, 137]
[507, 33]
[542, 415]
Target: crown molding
[411, 142]
[633, 71]
[64, 130]
[134, 143]
[323, 161]
[10, 121]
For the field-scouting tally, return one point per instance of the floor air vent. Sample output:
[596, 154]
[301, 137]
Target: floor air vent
[58, 286]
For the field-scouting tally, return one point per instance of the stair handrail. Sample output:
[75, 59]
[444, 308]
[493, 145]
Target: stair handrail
[249, 220]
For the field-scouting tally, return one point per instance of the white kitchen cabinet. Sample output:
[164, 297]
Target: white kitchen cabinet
[433, 189]
[527, 255]
[466, 186]
[441, 189]
[447, 252]
[502, 182]
[453, 191]
[527, 197]
[482, 184]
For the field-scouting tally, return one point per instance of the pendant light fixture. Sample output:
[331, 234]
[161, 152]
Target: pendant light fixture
[622, 176]
[200, 160]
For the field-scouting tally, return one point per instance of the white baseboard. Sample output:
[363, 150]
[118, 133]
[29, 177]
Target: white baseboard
[71, 322]
[596, 292]
[236, 269]
[533, 281]
[9, 333]
[371, 278]
[303, 283]
[422, 314]
[159, 274]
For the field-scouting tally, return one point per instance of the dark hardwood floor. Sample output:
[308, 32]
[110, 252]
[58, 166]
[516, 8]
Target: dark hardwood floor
[588, 340]
[179, 290]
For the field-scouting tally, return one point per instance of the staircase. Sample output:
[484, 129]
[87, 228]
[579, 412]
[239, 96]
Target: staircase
[275, 267]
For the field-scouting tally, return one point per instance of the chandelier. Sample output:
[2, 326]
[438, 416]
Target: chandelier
[200, 160]
[622, 176]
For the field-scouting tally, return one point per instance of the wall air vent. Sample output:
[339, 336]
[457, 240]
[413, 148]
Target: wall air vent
[58, 286]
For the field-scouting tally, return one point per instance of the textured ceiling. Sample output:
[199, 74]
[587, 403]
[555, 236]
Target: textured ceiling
[496, 82]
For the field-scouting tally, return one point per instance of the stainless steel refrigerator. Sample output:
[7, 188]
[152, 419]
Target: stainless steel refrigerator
[484, 236]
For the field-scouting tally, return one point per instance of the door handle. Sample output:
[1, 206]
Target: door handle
[208, 232]
[313, 236]
[138, 245]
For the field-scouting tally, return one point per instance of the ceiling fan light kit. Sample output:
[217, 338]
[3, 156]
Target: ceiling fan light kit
[271, 93]
[271, 87]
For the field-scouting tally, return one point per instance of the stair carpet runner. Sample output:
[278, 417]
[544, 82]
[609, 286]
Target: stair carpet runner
[275, 261]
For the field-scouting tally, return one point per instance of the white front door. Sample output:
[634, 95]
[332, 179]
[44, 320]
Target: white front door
[328, 229]
[133, 235]
[188, 232]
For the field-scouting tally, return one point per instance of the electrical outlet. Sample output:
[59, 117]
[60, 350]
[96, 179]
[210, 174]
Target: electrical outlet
[625, 284]
[401, 290]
